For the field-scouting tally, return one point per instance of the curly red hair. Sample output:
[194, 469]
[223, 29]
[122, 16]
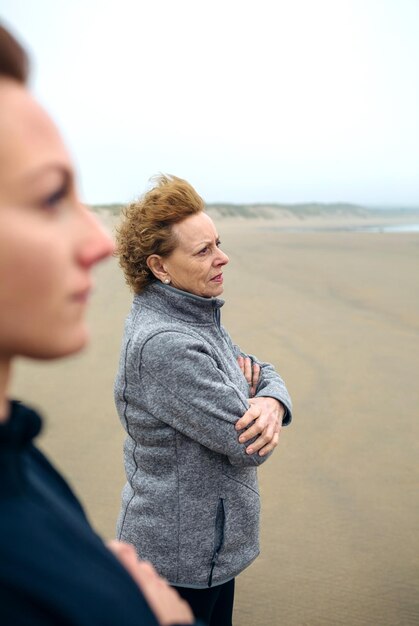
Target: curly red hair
[146, 226]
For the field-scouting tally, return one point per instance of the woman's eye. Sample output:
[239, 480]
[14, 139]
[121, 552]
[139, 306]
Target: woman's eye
[55, 198]
[204, 250]
[218, 243]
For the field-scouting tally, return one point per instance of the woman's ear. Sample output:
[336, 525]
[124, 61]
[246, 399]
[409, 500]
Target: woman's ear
[155, 264]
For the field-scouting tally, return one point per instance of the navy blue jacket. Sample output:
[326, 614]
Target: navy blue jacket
[54, 569]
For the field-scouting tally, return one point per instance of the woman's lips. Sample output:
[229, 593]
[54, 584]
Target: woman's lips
[82, 295]
[218, 278]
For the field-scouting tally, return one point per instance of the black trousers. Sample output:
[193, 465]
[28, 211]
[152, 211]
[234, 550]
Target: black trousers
[213, 606]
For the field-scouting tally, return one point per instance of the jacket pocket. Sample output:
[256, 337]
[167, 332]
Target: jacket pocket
[218, 537]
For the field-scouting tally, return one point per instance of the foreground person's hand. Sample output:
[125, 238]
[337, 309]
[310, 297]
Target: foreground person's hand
[251, 372]
[166, 604]
[263, 420]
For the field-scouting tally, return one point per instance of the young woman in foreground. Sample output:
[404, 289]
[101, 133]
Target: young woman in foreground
[54, 570]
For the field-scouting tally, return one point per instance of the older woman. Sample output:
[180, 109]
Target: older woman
[191, 501]
[54, 569]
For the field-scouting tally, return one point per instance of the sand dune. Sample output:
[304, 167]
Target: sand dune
[337, 313]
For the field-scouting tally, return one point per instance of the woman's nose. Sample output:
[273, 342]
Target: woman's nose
[96, 244]
[222, 258]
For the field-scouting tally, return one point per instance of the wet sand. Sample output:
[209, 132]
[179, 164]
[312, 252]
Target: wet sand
[337, 313]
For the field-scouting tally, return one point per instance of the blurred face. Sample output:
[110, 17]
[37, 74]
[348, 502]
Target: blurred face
[48, 240]
[196, 265]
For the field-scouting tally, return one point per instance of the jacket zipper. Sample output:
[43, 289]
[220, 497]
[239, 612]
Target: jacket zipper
[217, 315]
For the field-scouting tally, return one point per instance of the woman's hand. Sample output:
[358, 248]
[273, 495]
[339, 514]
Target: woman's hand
[263, 418]
[251, 372]
[166, 604]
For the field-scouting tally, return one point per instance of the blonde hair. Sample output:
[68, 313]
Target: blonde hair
[146, 226]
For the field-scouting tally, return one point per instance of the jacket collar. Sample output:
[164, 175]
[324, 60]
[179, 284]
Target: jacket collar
[182, 305]
[16, 435]
[21, 427]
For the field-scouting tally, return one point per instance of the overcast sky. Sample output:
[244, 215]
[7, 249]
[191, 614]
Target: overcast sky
[249, 100]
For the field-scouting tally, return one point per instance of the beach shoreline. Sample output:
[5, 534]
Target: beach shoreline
[336, 312]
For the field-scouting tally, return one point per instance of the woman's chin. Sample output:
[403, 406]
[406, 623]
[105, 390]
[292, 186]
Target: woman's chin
[218, 290]
[58, 347]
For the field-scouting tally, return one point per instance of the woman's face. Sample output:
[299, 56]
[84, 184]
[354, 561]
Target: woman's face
[196, 264]
[48, 240]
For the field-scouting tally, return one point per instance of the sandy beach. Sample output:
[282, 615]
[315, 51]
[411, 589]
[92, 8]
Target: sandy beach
[336, 311]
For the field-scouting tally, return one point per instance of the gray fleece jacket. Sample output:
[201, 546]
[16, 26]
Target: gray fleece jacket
[191, 501]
